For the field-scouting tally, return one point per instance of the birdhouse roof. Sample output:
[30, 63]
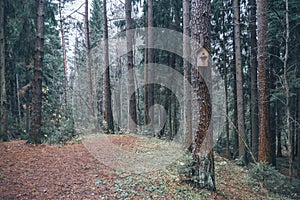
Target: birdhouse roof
[203, 48]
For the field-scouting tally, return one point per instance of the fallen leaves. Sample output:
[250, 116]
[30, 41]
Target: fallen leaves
[71, 172]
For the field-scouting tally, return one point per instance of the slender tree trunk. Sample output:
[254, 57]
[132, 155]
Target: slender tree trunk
[278, 129]
[131, 85]
[27, 100]
[3, 100]
[203, 155]
[287, 91]
[146, 106]
[253, 66]
[88, 64]
[235, 118]
[239, 82]
[35, 136]
[150, 62]
[298, 135]
[224, 42]
[264, 151]
[108, 114]
[187, 74]
[228, 154]
[63, 44]
[18, 101]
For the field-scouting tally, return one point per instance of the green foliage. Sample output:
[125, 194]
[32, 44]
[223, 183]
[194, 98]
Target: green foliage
[20, 34]
[59, 128]
[265, 175]
[185, 167]
[96, 22]
[263, 172]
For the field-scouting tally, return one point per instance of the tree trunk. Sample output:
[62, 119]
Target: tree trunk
[224, 50]
[264, 151]
[234, 114]
[35, 136]
[202, 154]
[287, 91]
[253, 66]
[108, 115]
[3, 100]
[131, 85]
[88, 65]
[239, 82]
[278, 128]
[146, 107]
[63, 44]
[187, 74]
[150, 63]
[298, 135]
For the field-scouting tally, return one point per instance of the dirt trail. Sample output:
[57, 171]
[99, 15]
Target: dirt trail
[48, 172]
[73, 172]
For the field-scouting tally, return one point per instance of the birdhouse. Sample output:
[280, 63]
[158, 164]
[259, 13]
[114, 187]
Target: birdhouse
[203, 57]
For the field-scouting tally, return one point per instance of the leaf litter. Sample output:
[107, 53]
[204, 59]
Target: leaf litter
[75, 172]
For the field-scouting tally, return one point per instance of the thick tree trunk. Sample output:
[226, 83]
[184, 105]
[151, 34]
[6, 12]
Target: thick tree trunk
[203, 155]
[108, 115]
[3, 100]
[265, 150]
[253, 66]
[131, 85]
[239, 82]
[187, 74]
[88, 64]
[35, 136]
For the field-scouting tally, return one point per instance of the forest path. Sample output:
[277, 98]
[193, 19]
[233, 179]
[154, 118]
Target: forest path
[74, 172]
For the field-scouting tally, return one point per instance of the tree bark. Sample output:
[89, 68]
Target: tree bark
[108, 115]
[203, 155]
[187, 74]
[150, 58]
[235, 111]
[146, 107]
[298, 134]
[253, 71]
[35, 136]
[239, 82]
[131, 85]
[63, 44]
[88, 65]
[287, 91]
[3, 100]
[264, 151]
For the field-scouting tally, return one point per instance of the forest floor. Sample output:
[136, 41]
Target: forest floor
[79, 171]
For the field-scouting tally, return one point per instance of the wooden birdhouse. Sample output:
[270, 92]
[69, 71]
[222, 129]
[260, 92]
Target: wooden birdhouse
[203, 57]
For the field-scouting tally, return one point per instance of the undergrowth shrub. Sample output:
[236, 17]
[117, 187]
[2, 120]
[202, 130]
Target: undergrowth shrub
[265, 175]
[185, 168]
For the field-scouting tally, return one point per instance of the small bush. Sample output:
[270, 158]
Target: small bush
[263, 172]
[185, 167]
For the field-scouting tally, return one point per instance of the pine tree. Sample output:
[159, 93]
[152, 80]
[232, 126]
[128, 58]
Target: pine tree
[108, 115]
[264, 153]
[200, 32]
[3, 97]
[35, 136]
[187, 74]
[131, 85]
[239, 82]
